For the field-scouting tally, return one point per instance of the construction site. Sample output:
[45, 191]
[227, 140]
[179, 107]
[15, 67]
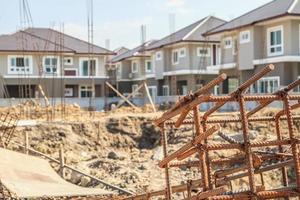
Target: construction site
[217, 134]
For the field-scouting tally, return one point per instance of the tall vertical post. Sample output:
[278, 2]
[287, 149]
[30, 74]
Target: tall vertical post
[294, 146]
[202, 154]
[279, 137]
[165, 151]
[248, 151]
[61, 163]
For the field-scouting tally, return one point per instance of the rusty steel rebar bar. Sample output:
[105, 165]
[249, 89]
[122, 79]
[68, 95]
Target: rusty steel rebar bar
[168, 193]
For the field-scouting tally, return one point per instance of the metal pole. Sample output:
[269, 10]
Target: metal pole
[167, 175]
[247, 145]
[293, 139]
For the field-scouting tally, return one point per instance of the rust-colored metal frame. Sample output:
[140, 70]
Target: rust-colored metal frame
[215, 185]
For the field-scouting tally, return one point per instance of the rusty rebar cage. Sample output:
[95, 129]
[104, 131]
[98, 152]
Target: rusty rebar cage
[215, 184]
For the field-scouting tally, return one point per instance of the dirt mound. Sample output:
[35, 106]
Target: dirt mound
[147, 108]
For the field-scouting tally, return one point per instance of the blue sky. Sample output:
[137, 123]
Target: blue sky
[120, 20]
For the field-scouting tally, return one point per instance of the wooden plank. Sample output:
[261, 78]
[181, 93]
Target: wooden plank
[118, 93]
[129, 96]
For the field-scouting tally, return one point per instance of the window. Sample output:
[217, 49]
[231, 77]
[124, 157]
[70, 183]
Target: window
[86, 91]
[19, 64]
[68, 61]
[175, 59]
[166, 90]
[228, 43]
[148, 66]
[50, 64]
[182, 52]
[134, 67]
[275, 41]
[244, 37]
[158, 55]
[268, 84]
[88, 67]
[203, 51]
[233, 84]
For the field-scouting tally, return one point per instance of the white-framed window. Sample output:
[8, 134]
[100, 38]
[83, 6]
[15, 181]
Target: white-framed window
[158, 55]
[182, 52]
[148, 65]
[175, 57]
[268, 84]
[134, 67]
[275, 41]
[69, 92]
[166, 90]
[19, 64]
[68, 61]
[227, 42]
[119, 69]
[203, 51]
[86, 91]
[88, 67]
[50, 64]
[245, 37]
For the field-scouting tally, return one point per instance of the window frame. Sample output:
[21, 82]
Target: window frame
[12, 69]
[204, 55]
[269, 78]
[269, 47]
[183, 49]
[81, 60]
[86, 90]
[51, 64]
[176, 51]
[242, 40]
[132, 67]
[146, 66]
[226, 46]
